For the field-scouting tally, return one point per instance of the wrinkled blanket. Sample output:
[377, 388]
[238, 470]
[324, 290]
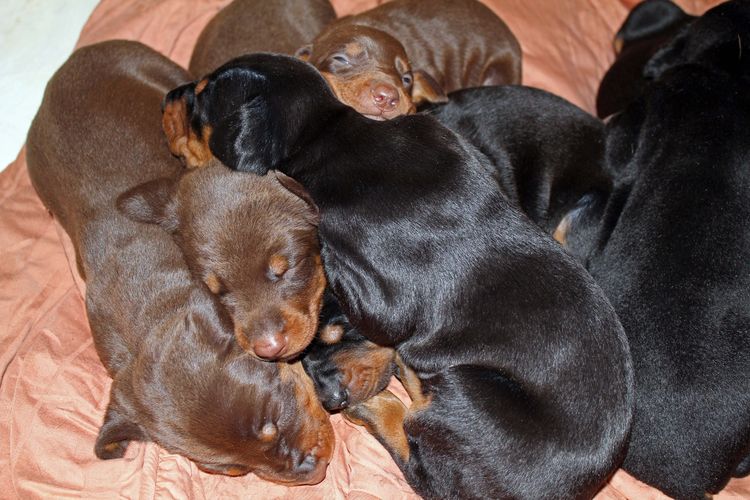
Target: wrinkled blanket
[53, 389]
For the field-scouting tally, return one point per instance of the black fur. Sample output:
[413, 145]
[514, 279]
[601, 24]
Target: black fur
[548, 152]
[524, 359]
[674, 256]
[649, 26]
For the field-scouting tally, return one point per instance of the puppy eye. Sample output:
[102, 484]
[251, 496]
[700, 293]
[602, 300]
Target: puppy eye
[278, 265]
[407, 79]
[340, 58]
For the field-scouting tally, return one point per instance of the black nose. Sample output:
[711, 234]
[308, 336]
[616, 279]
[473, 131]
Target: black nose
[338, 399]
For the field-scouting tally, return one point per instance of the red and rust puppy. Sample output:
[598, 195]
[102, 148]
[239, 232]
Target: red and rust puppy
[248, 26]
[179, 377]
[259, 254]
[386, 61]
[517, 364]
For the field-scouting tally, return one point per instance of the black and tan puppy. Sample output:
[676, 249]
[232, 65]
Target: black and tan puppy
[345, 367]
[674, 256]
[549, 154]
[649, 26]
[517, 364]
[249, 26]
[179, 377]
[385, 61]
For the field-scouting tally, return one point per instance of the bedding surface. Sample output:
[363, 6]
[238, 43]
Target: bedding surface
[54, 390]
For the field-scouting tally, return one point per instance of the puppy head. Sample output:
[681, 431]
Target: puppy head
[369, 70]
[649, 19]
[253, 241]
[719, 40]
[251, 113]
[196, 393]
[348, 369]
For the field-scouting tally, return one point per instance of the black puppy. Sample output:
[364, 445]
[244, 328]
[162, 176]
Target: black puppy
[517, 366]
[346, 368]
[549, 154]
[649, 26]
[674, 256]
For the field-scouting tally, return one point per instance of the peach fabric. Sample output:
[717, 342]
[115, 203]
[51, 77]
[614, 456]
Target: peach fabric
[53, 389]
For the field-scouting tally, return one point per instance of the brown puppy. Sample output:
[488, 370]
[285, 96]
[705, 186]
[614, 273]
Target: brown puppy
[246, 26]
[180, 379]
[385, 61]
[258, 252]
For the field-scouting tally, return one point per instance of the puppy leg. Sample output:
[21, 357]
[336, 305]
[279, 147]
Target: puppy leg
[383, 416]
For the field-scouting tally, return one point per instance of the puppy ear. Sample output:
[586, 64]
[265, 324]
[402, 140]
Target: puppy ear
[152, 202]
[666, 57]
[304, 52]
[116, 432]
[296, 189]
[183, 140]
[426, 89]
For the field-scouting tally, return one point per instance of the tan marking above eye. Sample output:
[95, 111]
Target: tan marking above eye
[278, 265]
[200, 86]
[213, 283]
[268, 432]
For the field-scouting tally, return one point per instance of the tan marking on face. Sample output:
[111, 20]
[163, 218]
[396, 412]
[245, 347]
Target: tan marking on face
[278, 265]
[355, 92]
[302, 313]
[242, 340]
[331, 334]
[365, 371]
[213, 283]
[383, 416]
[268, 432]
[182, 139]
[200, 86]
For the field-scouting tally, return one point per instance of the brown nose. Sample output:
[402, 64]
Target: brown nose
[385, 96]
[269, 346]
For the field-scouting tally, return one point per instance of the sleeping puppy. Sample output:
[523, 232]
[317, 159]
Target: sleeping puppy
[385, 61]
[345, 367]
[555, 152]
[179, 377]
[649, 26]
[517, 365]
[674, 256]
[549, 155]
[248, 26]
[258, 253]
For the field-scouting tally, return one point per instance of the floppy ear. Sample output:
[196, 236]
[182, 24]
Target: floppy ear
[152, 202]
[296, 189]
[425, 88]
[666, 57]
[116, 432]
[304, 52]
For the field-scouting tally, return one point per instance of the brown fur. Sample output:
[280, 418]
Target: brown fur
[246, 26]
[385, 61]
[252, 241]
[179, 378]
